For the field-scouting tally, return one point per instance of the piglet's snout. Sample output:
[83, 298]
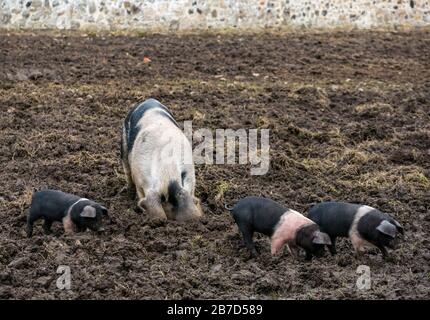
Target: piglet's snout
[393, 243]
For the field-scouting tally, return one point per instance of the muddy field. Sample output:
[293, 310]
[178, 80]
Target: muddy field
[349, 119]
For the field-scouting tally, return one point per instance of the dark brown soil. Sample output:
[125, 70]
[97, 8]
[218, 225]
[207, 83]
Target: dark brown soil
[349, 115]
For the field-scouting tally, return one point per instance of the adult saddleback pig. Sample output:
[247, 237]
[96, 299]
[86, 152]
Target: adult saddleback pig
[365, 226]
[157, 160]
[283, 225]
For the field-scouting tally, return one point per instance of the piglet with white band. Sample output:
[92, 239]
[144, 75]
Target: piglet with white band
[283, 225]
[74, 212]
[364, 225]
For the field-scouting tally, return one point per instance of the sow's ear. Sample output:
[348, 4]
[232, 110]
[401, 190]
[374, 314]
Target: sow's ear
[387, 228]
[321, 238]
[88, 212]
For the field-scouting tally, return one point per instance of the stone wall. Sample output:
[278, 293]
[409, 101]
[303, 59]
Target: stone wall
[204, 14]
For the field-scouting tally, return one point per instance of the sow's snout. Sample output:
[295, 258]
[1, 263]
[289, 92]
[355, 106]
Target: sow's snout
[189, 209]
[183, 204]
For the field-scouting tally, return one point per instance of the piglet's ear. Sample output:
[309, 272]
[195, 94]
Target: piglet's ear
[387, 228]
[321, 238]
[88, 212]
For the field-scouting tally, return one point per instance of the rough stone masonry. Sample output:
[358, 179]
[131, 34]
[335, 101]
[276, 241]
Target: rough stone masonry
[173, 15]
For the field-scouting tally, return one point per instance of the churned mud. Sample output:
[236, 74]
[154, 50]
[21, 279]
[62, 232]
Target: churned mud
[349, 119]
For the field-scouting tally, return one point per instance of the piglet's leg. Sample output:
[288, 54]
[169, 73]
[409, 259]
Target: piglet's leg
[358, 244]
[293, 250]
[30, 227]
[32, 217]
[47, 226]
[383, 250]
[332, 247]
[277, 244]
[68, 225]
[247, 237]
[359, 251]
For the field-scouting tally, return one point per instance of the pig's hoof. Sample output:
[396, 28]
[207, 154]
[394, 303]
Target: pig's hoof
[157, 222]
[127, 190]
[249, 257]
[343, 261]
[253, 254]
[29, 232]
[138, 209]
[131, 193]
[389, 258]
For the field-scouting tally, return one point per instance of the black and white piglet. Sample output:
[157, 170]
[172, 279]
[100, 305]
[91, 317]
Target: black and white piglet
[284, 226]
[364, 225]
[73, 211]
